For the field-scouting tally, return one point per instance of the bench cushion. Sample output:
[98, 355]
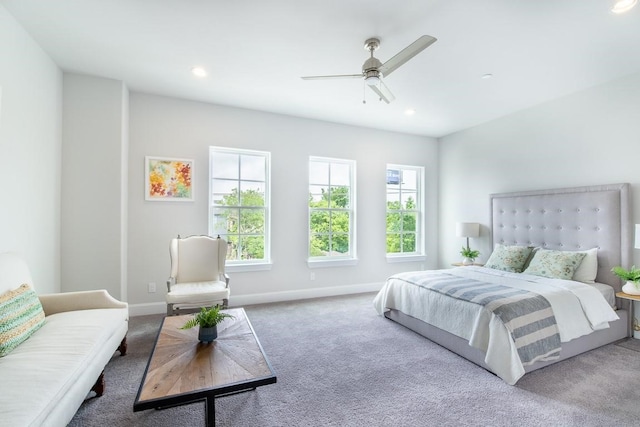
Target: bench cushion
[58, 363]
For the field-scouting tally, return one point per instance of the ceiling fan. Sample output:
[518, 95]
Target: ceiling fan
[373, 70]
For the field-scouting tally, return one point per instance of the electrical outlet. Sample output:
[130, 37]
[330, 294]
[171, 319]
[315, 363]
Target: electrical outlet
[312, 276]
[152, 287]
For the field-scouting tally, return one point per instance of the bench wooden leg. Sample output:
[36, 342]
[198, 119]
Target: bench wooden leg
[98, 387]
[123, 346]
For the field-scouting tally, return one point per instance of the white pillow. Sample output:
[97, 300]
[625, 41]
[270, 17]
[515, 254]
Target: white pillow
[588, 268]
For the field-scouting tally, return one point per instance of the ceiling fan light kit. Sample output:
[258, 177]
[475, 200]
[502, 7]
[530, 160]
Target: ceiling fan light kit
[373, 70]
[372, 81]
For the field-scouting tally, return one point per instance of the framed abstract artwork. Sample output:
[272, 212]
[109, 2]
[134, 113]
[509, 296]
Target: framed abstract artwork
[168, 179]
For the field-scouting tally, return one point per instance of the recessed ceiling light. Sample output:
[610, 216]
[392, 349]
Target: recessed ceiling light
[623, 6]
[199, 72]
[486, 76]
[409, 112]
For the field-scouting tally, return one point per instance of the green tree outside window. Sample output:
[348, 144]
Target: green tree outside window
[244, 223]
[329, 223]
[403, 216]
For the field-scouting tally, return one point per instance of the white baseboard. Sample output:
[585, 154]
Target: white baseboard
[242, 300]
[147, 308]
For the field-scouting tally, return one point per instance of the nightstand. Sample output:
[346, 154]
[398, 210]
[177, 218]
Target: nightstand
[459, 264]
[635, 325]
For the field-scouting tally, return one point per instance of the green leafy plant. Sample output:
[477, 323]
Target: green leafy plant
[207, 318]
[631, 275]
[469, 253]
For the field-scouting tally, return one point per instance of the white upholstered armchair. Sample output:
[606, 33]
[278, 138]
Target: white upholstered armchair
[197, 276]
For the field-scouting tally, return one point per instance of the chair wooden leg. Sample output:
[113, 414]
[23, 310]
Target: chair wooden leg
[225, 303]
[170, 311]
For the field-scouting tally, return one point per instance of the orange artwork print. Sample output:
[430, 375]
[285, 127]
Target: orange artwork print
[169, 179]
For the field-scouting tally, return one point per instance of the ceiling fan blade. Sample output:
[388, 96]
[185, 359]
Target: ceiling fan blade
[406, 54]
[336, 76]
[383, 92]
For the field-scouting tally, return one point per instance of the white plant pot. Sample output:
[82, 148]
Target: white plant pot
[631, 289]
[467, 261]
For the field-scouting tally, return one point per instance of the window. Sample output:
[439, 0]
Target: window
[240, 203]
[331, 210]
[404, 211]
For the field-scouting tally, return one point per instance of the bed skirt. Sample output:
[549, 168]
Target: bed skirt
[617, 330]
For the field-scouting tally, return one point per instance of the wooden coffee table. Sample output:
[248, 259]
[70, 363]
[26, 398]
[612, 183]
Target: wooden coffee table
[182, 370]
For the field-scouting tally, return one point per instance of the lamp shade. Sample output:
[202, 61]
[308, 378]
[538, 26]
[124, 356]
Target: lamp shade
[637, 243]
[470, 229]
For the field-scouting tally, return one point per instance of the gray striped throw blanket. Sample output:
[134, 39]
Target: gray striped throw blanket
[527, 316]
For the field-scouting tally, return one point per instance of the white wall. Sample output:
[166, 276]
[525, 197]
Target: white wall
[30, 138]
[169, 127]
[587, 138]
[94, 177]
[591, 137]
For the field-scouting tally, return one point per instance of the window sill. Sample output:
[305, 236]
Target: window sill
[239, 268]
[331, 263]
[405, 258]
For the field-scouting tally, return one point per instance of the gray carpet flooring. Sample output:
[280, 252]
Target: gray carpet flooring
[340, 364]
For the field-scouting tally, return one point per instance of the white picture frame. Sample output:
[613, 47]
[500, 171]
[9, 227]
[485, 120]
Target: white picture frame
[168, 179]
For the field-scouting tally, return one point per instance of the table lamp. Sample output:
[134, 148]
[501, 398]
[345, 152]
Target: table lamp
[472, 229]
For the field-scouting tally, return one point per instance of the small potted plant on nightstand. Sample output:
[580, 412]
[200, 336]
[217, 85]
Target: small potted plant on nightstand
[208, 320]
[469, 255]
[632, 276]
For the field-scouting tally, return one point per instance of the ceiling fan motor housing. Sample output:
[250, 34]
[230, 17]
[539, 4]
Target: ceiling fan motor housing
[371, 64]
[370, 71]
[370, 67]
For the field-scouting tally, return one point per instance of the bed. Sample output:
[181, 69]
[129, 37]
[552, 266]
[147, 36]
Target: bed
[457, 309]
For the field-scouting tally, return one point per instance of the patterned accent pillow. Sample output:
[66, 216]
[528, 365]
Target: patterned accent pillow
[508, 258]
[21, 315]
[555, 264]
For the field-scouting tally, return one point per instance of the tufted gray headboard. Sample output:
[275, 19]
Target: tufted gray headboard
[569, 219]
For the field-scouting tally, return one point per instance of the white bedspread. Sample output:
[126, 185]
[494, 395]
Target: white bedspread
[579, 310]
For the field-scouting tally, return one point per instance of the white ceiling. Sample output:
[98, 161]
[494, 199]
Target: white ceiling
[255, 52]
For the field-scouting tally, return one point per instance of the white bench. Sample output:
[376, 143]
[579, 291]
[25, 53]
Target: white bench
[46, 378]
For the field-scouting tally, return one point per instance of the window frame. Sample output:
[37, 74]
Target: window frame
[419, 253]
[239, 264]
[334, 260]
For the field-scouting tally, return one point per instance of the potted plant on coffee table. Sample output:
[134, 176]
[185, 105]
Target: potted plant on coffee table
[208, 320]
[632, 276]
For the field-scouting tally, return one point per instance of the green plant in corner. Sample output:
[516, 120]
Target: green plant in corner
[207, 318]
[469, 253]
[631, 275]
